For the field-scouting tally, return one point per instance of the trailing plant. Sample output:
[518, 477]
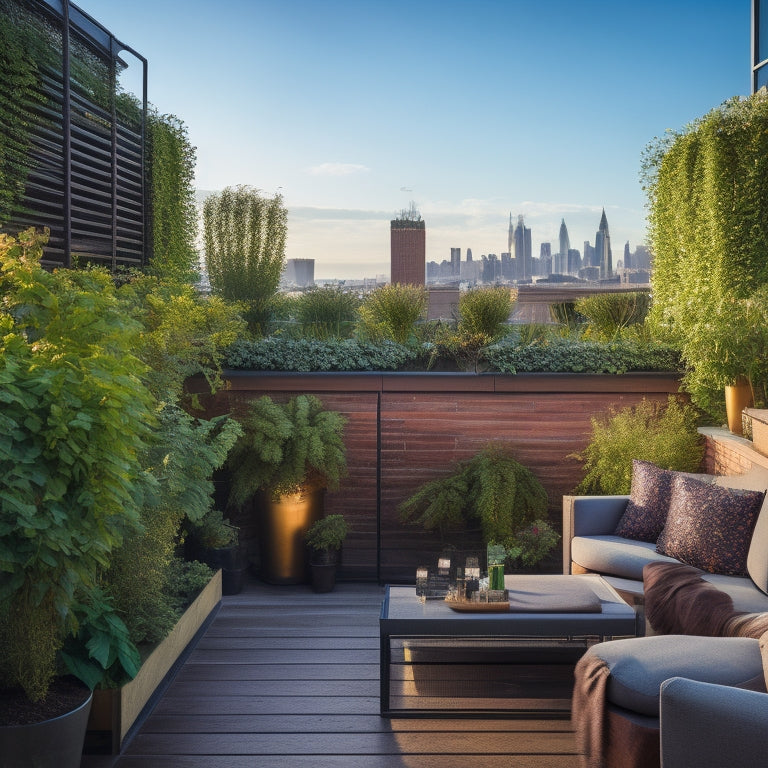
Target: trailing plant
[707, 188]
[325, 313]
[244, 236]
[285, 446]
[171, 171]
[74, 422]
[483, 311]
[22, 52]
[665, 435]
[392, 311]
[278, 353]
[327, 533]
[608, 314]
[558, 355]
[491, 487]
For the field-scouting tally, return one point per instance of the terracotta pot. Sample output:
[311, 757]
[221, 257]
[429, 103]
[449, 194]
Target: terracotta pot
[738, 396]
[283, 525]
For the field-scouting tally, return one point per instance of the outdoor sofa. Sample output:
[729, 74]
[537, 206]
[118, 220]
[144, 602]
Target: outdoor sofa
[691, 551]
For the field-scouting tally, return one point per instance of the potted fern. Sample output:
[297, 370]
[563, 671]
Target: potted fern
[289, 454]
[324, 539]
[491, 489]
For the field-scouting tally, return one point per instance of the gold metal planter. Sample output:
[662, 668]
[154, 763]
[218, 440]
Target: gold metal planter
[284, 522]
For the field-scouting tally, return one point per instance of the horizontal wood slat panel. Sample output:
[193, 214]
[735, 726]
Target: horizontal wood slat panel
[403, 438]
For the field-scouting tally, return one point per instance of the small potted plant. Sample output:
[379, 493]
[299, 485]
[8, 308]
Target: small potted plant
[324, 539]
[288, 455]
[214, 541]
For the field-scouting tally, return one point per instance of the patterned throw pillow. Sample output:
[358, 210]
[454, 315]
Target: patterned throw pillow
[646, 511]
[709, 526]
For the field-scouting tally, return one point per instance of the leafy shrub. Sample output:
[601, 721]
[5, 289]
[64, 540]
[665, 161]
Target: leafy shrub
[608, 314]
[283, 354]
[559, 355]
[74, 422]
[664, 435]
[565, 313]
[483, 311]
[327, 533]
[391, 312]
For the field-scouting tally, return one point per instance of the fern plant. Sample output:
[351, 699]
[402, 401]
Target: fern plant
[285, 446]
[491, 487]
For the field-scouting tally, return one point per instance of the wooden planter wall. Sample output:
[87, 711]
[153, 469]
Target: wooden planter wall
[406, 428]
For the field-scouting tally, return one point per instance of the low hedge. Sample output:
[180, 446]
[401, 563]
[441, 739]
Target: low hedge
[555, 355]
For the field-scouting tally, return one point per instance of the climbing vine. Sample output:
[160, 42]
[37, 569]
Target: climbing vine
[174, 212]
[707, 188]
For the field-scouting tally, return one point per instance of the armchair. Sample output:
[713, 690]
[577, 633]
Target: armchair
[712, 726]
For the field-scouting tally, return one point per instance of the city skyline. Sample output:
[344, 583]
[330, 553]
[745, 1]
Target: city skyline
[353, 109]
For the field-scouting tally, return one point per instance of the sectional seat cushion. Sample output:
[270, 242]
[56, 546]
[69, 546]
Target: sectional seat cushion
[709, 526]
[615, 556]
[646, 512]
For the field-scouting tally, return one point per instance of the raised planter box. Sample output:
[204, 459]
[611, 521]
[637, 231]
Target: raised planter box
[114, 711]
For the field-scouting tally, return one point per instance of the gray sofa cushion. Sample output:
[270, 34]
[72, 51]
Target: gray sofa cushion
[615, 556]
[638, 666]
[741, 590]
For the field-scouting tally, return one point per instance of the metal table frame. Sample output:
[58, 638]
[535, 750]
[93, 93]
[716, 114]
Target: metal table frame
[403, 615]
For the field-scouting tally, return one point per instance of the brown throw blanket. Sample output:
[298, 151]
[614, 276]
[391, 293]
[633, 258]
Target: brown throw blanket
[679, 602]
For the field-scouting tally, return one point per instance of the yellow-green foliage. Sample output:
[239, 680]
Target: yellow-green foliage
[483, 311]
[391, 312]
[650, 431]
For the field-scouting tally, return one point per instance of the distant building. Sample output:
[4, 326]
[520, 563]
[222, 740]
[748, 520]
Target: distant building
[603, 255]
[520, 247]
[408, 248]
[561, 259]
[456, 261]
[299, 273]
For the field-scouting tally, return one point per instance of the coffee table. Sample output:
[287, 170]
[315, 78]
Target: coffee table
[435, 661]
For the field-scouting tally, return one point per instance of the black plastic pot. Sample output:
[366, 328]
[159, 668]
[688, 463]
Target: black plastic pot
[322, 565]
[55, 743]
[233, 564]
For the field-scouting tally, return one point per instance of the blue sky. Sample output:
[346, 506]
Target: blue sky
[473, 110]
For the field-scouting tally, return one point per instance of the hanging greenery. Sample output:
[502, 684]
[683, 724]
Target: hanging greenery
[707, 189]
[171, 174]
[20, 94]
[244, 236]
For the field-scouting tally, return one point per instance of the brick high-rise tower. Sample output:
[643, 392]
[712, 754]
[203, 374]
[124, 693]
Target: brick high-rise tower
[408, 254]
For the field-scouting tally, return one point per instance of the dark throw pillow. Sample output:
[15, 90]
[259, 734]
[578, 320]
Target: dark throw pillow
[709, 526]
[646, 511]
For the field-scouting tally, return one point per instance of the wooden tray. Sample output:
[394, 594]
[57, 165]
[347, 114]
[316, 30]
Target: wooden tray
[467, 606]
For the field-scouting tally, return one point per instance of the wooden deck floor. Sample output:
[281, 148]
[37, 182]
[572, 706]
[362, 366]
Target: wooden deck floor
[286, 678]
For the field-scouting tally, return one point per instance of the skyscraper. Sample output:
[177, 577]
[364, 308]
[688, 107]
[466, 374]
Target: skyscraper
[603, 255]
[455, 261]
[520, 246]
[408, 248]
[561, 260]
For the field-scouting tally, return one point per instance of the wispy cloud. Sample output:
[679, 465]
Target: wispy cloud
[337, 169]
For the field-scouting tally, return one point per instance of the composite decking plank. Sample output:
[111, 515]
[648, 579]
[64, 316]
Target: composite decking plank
[304, 723]
[511, 760]
[341, 743]
[300, 671]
